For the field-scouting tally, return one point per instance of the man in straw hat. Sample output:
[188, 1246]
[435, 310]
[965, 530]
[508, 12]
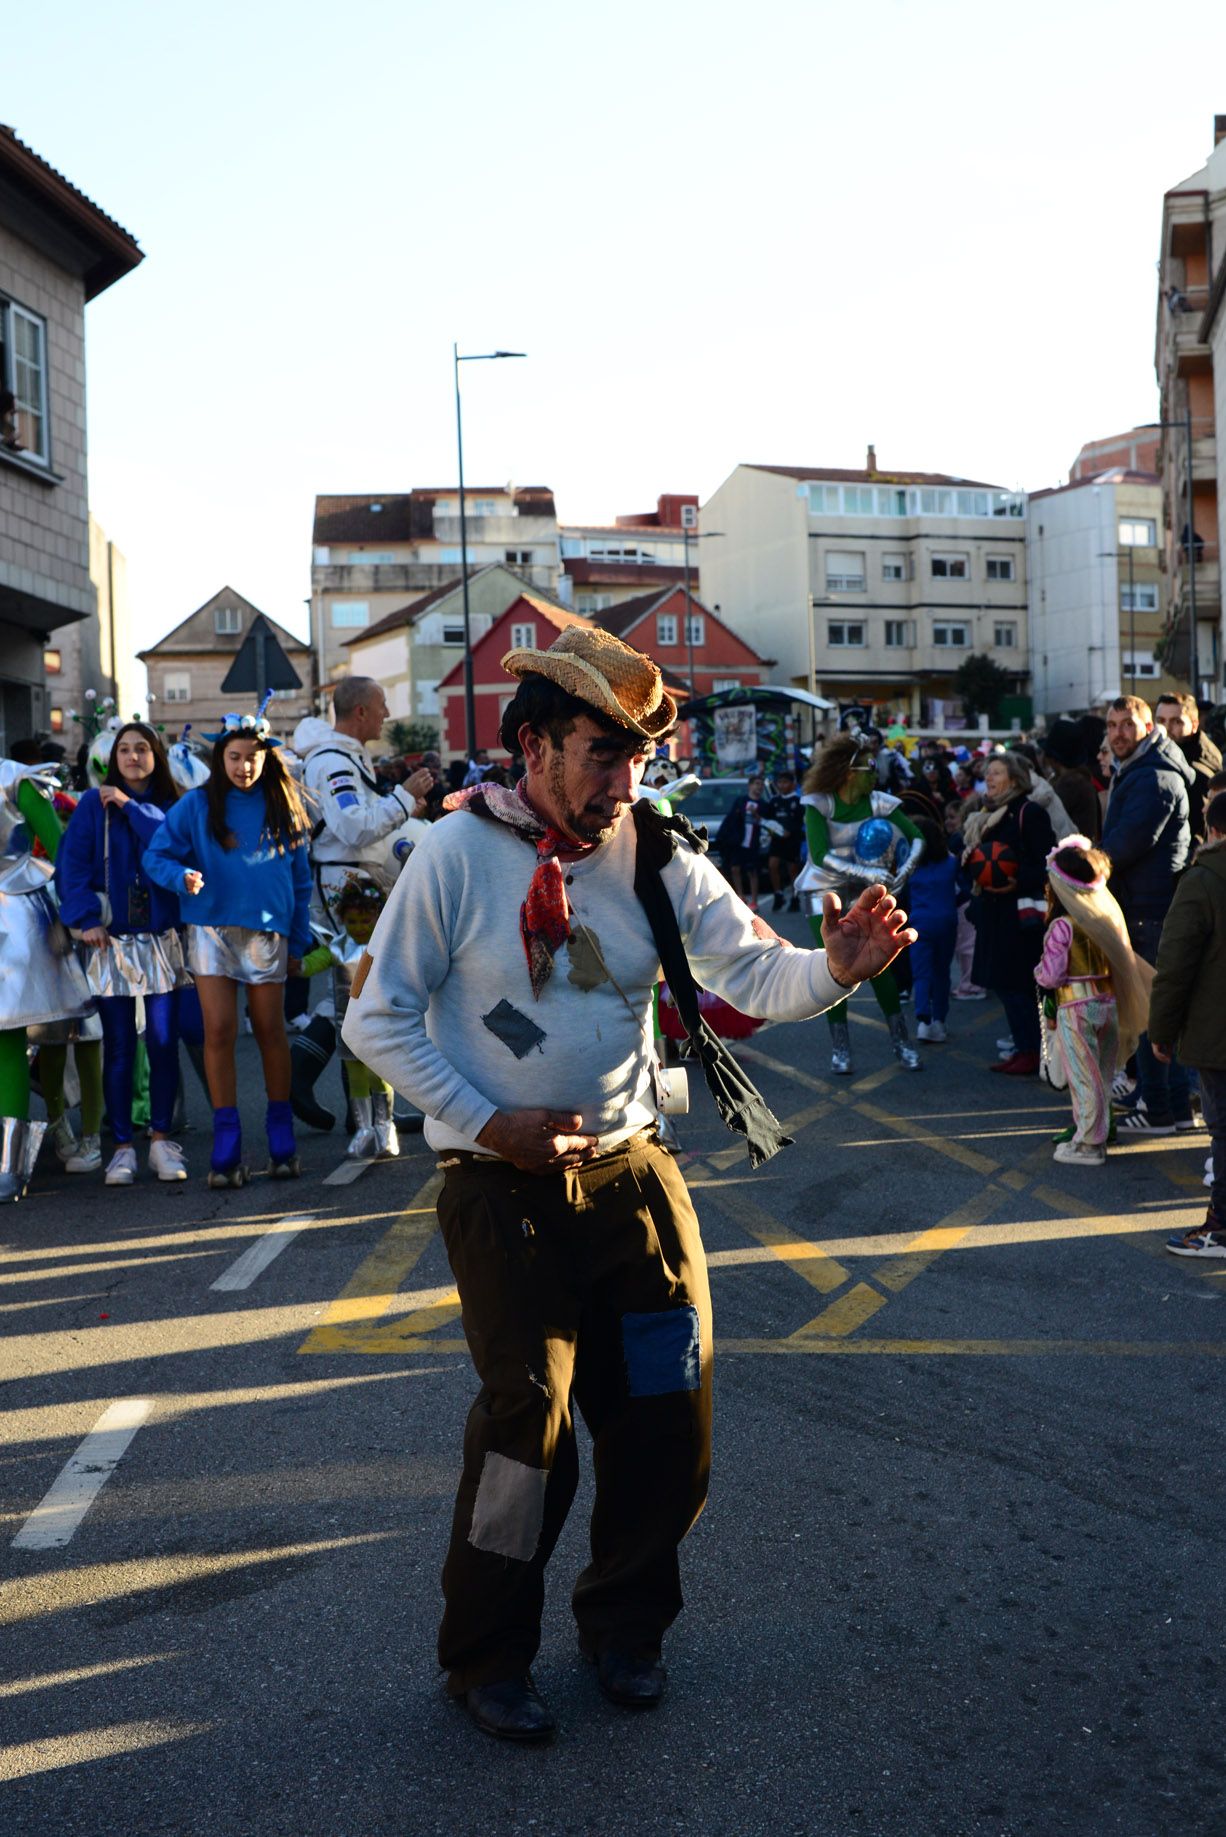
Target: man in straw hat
[507, 991]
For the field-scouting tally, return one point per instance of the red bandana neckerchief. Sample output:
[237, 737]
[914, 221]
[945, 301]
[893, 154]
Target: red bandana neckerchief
[544, 917]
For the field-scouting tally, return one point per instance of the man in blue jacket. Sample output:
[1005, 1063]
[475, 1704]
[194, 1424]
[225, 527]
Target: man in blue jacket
[1147, 835]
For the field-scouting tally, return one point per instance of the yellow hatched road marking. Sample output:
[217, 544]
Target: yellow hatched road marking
[371, 1291]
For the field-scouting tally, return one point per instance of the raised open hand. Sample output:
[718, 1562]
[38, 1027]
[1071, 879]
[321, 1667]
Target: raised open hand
[861, 941]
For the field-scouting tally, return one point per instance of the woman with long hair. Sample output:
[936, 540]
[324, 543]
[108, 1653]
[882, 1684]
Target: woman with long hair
[128, 926]
[1005, 845]
[235, 851]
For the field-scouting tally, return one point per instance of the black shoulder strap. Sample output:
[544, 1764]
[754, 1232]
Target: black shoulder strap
[740, 1105]
[341, 753]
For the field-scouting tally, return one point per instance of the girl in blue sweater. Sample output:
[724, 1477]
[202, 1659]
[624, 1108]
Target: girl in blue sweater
[236, 852]
[127, 926]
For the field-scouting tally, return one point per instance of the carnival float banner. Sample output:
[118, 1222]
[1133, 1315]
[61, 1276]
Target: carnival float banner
[736, 736]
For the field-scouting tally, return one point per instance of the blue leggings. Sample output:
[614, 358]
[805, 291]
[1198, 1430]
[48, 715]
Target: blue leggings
[118, 1014]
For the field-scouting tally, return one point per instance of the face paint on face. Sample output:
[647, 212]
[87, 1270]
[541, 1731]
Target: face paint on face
[590, 781]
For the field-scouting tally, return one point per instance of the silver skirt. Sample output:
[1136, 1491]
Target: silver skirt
[35, 984]
[136, 963]
[237, 952]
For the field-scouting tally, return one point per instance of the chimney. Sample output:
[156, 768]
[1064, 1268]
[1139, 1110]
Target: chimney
[1219, 128]
[870, 464]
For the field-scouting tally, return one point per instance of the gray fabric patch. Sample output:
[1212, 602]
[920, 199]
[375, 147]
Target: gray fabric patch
[510, 1508]
[587, 970]
[513, 1028]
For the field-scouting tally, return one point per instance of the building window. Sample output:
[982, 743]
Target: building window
[177, 686]
[1142, 596]
[950, 567]
[350, 612]
[519, 558]
[696, 629]
[845, 633]
[1004, 637]
[937, 503]
[954, 637]
[593, 602]
[971, 503]
[666, 628]
[844, 571]
[899, 634]
[1000, 567]
[370, 558]
[894, 567]
[451, 557]
[1140, 663]
[321, 557]
[56, 716]
[482, 507]
[453, 634]
[523, 637]
[892, 503]
[858, 500]
[227, 620]
[823, 497]
[23, 372]
[53, 662]
[725, 682]
[1138, 533]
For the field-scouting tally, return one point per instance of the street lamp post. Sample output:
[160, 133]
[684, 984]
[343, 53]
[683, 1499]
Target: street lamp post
[470, 707]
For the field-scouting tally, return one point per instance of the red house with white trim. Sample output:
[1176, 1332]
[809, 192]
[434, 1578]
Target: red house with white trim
[716, 659]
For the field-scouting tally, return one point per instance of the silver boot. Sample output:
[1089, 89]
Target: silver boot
[362, 1142]
[19, 1145]
[840, 1049]
[387, 1142]
[907, 1056]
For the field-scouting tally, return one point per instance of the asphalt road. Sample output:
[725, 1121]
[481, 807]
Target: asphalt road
[961, 1571]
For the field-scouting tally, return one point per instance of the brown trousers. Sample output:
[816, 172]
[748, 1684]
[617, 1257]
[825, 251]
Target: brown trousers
[592, 1283]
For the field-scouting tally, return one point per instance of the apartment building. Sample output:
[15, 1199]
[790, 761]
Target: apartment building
[1189, 335]
[94, 653]
[1096, 551]
[188, 666]
[374, 554]
[645, 552]
[1135, 451]
[872, 585]
[58, 251]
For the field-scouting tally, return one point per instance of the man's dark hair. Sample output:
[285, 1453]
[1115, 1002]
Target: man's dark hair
[547, 708]
[1215, 813]
[26, 752]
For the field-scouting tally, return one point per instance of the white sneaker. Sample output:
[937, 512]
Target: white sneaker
[970, 995]
[122, 1168]
[1005, 1047]
[166, 1161]
[88, 1156]
[1079, 1154]
[932, 1030]
[63, 1140]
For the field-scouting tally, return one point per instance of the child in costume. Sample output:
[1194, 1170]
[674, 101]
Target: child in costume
[853, 834]
[1098, 990]
[42, 979]
[357, 907]
[128, 930]
[235, 851]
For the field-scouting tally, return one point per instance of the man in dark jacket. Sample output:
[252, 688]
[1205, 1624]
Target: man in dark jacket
[1180, 716]
[1147, 835]
[1188, 1010]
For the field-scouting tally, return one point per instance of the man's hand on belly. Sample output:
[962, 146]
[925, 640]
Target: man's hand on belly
[538, 1141]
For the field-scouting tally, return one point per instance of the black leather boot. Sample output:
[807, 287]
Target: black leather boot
[310, 1049]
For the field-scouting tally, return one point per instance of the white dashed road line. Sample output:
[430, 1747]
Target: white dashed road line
[54, 1520]
[244, 1270]
[347, 1171]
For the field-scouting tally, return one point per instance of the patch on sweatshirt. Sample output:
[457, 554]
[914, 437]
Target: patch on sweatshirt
[363, 971]
[587, 970]
[513, 1028]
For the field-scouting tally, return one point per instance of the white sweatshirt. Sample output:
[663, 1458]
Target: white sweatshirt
[446, 1012]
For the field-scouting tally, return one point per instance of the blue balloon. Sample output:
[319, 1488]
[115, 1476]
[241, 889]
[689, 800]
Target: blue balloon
[874, 840]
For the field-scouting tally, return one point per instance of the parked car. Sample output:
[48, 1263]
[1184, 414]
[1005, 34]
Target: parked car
[708, 805]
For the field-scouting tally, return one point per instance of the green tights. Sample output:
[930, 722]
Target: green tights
[363, 1082]
[884, 987]
[52, 1064]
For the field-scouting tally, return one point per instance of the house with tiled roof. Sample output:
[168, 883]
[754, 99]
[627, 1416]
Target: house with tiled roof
[411, 649]
[528, 623]
[873, 584]
[58, 251]
[189, 664]
[692, 644]
[375, 553]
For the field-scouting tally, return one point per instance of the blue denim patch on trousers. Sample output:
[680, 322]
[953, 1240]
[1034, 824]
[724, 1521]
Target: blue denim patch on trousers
[662, 1352]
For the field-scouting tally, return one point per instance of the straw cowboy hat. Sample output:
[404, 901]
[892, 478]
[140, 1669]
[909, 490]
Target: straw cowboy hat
[599, 669]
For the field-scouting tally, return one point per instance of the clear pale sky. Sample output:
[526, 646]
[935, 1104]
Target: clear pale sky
[722, 233]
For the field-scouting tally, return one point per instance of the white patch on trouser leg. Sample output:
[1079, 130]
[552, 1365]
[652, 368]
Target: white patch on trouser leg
[510, 1508]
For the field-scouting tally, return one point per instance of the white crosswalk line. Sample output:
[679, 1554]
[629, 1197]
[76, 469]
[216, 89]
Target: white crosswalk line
[244, 1270]
[53, 1521]
[347, 1171]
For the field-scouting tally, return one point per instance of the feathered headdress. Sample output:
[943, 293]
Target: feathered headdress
[247, 726]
